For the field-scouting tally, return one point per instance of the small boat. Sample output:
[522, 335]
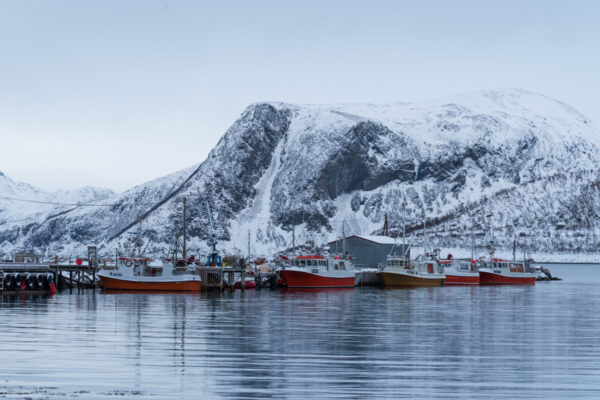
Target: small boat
[317, 271]
[249, 283]
[503, 272]
[460, 272]
[139, 273]
[403, 272]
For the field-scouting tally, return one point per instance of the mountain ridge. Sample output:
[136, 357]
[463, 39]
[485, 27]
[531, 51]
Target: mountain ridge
[281, 166]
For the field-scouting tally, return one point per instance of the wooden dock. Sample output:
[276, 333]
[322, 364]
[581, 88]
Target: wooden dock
[64, 275]
[73, 276]
[222, 278]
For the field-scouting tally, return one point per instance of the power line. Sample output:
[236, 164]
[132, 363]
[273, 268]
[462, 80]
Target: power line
[81, 204]
[55, 203]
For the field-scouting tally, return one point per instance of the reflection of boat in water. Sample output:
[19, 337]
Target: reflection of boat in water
[460, 272]
[403, 272]
[140, 274]
[317, 271]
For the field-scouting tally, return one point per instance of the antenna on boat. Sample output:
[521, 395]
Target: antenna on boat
[294, 239]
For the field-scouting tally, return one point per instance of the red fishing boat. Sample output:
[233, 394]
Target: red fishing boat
[317, 271]
[503, 272]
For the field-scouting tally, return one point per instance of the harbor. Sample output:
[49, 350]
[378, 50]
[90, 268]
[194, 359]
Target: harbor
[335, 342]
[316, 269]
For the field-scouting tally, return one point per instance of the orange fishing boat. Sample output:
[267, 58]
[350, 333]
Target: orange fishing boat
[133, 273]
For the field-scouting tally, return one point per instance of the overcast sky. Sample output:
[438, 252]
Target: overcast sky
[116, 93]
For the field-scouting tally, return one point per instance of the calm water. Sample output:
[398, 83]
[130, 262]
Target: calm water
[451, 342]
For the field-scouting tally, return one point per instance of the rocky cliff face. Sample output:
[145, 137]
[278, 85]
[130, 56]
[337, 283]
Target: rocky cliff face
[493, 165]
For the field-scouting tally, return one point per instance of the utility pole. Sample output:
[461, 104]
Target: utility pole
[184, 225]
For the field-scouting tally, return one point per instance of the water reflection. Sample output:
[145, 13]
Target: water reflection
[448, 342]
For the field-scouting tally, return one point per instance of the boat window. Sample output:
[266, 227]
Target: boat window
[335, 266]
[342, 266]
[303, 263]
[519, 267]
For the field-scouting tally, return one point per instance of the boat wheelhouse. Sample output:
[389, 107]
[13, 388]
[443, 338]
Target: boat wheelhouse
[317, 271]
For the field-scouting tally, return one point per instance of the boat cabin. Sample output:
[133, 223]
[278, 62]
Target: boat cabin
[398, 262]
[499, 266]
[140, 266]
[460, 265]
[318, 262]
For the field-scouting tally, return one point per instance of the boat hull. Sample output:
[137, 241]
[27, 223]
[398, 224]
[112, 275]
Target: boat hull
[167, 286]
[461, 279]
[300, 279]
[247, 285]
[491, 278]
[402, 280]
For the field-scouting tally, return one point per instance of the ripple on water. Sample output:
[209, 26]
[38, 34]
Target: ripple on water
[450, 342]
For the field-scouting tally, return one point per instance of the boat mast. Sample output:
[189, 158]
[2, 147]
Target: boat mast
[424, 233]
[404, 250]
[472, 246]
[294, 240]
[184, 226]
[248, 244]
[344, 248]
[139, 237]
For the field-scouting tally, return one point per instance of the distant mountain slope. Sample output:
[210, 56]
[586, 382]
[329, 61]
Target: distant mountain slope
[493, 164]
[40, 203]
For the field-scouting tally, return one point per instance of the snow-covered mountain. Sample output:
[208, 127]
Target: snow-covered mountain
[491, 164]
[23, 203]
